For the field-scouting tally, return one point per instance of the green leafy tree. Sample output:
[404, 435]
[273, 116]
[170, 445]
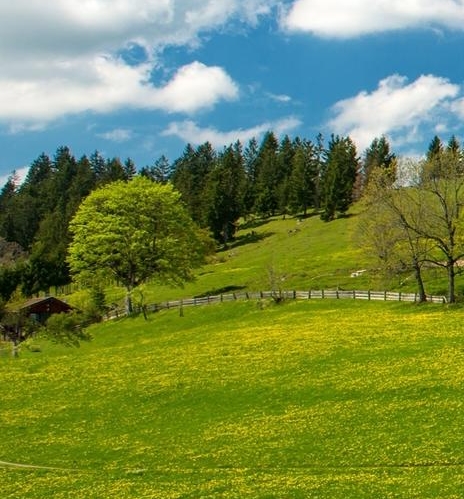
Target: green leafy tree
[66, 329]
[135, 231]
[385, 233]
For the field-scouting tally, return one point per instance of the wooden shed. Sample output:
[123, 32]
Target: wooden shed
[40, 309]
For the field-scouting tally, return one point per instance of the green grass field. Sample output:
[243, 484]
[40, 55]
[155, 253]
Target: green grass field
[306, 254]
[311, 399]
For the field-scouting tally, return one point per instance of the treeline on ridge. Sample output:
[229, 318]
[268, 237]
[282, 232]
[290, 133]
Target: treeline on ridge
[290, 176]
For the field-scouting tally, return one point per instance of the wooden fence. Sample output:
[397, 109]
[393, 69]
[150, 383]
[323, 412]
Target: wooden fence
[282, 295]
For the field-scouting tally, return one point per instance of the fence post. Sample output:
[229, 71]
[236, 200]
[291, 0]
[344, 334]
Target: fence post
[385, 295]
[322, 294]
[354, 294]
[399, 296]
[309, 294]
[369, 294]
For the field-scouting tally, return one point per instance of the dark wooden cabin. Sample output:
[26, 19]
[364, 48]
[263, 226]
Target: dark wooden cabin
[40, 309]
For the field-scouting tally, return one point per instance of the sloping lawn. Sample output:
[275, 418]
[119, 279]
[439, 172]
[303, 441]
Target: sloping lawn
[318, 399]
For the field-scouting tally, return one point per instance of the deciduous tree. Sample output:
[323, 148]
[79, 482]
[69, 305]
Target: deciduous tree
[135, 231]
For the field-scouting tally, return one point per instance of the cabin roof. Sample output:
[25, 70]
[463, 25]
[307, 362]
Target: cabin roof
[49, 303]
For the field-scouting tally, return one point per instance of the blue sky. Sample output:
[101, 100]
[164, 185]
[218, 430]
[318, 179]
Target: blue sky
[141, 78]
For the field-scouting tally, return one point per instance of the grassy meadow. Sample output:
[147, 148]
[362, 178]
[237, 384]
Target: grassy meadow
[310, 399]
[289, 254]
[331, 399]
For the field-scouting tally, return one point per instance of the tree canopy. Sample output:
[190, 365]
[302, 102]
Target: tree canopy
[135, 231]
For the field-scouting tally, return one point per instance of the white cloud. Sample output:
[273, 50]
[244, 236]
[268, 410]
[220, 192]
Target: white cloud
[190, 132]
[280, 97]
[60, 57]
[89, 26]
[195, 87]
[345, 19]
[104, 84]
[396, 108]
[117, 135]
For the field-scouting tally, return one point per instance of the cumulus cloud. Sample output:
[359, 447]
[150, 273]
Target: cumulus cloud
[190, 132]
[396, 108]
[105, 84]
[342, 19]
[62, 57]
[194, 87]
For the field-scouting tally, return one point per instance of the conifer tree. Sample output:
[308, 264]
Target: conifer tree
[224, 192]
[342, 167]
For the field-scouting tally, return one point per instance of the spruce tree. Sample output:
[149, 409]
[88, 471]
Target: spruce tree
[342, 167]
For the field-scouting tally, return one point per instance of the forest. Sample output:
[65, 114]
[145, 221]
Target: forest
[274, 177]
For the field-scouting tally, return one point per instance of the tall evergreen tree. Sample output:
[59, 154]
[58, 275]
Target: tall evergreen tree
[160, 171]
[266, 200]
[339, 177]
[435, 148]
[225, 192]
[130, 169]
[453, 146]
[303, 179]
[285, 156]
[98, 165]
[7, 215]
[189, 178]
[377, 155]
[250, 163]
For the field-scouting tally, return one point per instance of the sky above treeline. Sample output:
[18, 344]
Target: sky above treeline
[142, 78]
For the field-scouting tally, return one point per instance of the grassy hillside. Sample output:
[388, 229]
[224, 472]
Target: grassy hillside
[291, 254]
[327, 399]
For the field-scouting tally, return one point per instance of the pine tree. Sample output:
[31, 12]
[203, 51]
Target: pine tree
[189, 178]
[250, 163]
[225, 192]
[161, 171]
[339, 177]
[303, 179]
[130, 169]
[266, 200]
[435, 148]
[285, 156]
[377, 155]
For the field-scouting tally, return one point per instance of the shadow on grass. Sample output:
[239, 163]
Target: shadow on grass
[248, 238]
[220, 291]
[255, 223]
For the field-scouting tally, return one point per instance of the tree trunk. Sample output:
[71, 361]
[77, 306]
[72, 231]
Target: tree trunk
[420, 283]
[451, 286]
[129, 307]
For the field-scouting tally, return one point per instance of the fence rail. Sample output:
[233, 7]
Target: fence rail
[292, 295]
